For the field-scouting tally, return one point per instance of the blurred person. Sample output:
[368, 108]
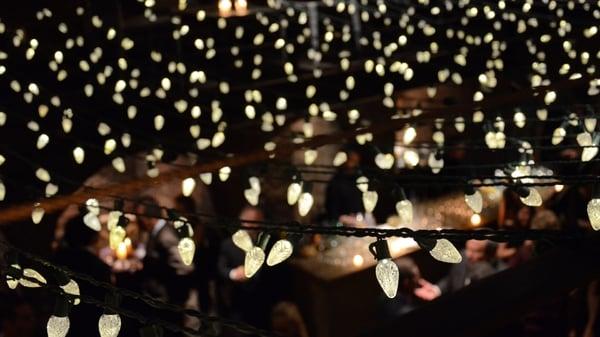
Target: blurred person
[410, 282]
[202, 295]
[241, 297]
[166, 277]
[343, 199]
[511, 254]
[79, 251]
[18, 317]
[477, 263]
[286, 320]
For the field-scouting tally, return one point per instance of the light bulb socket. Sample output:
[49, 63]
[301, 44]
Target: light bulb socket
[469, 189]
[439, 154]
[62, 307]
[373, 184]
[263, 240]
[123, 221]
[61, 278]
[523, 191]
[112, 299]
[183, 231]
[596, 191]
[426, 243]
[172, 214]
[399, 193]
[306, 187]
[151, 331]
[380, 249]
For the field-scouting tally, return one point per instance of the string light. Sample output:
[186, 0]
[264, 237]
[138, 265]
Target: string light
[530, 196]
[443, 250]
[187, 186]
[37, 214]
[293, 193]
[305, 201]
[474, 200]
[281, 251]
[59, 323]
[109, 325]
[255, 257]
[242, 240]
[386, 270]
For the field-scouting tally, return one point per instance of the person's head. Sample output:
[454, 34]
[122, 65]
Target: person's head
[409, 275]
[524, 216]
[477, 250]
[287, 321]
[18, 317]
[251, 214]
[148, 212]
[353, 160]
[78, 235]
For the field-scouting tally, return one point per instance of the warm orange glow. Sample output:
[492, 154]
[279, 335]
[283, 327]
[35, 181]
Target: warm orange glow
[225, 7]
[475, 219]
[121, 251]
[241, 6]
[358, 260]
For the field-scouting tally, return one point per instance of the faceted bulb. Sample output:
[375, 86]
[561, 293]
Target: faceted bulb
[116, 236]
[91, 220]
[369, 200]
[29, 273]
[42, 141]
[411, 157]
[293, 193]
[310, 156]
[558, 135]
[305, 203]
[186, 248]
[410, 134]
[253, 261]
[113, 219]
[242, 240]
[187, 186]
[384, 161]
[206, 178]
[590, 124]
[445, 251]
[593, 211]
[533, 199]
[58, 326]
[387, 275]
[282, 249]
[224, 173]
[404, 208]
[340, 158]
[119, 164]
[252, 196]
[79, 155]
[474, 201]
[109, 325]
[37, 214]
[72, 288]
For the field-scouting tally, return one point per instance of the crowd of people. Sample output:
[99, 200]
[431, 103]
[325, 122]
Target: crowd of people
[216, 282]
[572, 315]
